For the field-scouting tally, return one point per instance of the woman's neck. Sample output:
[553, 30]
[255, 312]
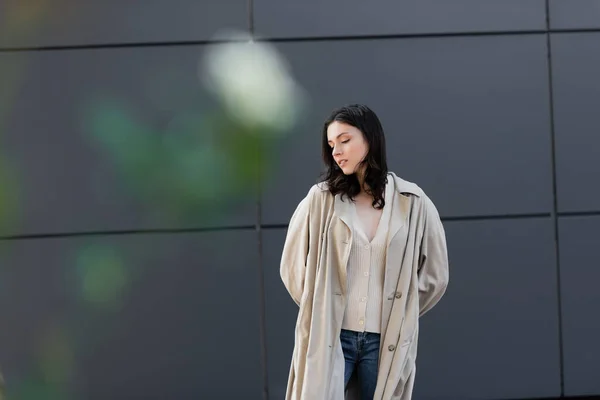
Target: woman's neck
[361, 181]
[364, 188]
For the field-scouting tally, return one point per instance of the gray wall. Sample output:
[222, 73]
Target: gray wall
[490, 106]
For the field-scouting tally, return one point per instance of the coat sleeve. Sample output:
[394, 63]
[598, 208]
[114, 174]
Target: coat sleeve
[295, 251]
[433, 263]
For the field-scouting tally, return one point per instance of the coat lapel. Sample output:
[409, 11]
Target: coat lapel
[343, 209]
[400, 206]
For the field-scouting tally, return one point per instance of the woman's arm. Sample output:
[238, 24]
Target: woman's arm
[295, 251]
[433, 265]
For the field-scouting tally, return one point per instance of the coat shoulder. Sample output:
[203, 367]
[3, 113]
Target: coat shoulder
[322, 186]
[319, 191]
[318, 195]
[403, 186]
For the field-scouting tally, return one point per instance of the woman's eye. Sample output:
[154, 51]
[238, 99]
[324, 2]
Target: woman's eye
[345, 141]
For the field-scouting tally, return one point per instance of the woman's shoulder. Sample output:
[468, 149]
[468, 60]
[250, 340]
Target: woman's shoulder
[319, 191]
[404, 186]
[318, 197]
[320, 187]
[410, 188]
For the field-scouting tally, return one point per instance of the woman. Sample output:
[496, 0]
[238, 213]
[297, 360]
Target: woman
[364, 257]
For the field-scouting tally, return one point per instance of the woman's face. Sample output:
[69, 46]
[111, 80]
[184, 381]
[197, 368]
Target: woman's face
[348, 146]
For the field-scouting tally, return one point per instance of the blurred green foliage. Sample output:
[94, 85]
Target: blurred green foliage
[103, 276]
[198, 164]
[194, 167]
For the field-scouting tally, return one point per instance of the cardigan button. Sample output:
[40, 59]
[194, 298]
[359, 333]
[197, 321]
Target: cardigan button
[398, 295]
[391, 347]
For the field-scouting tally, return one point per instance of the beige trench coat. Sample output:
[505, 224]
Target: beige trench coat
[313, 270]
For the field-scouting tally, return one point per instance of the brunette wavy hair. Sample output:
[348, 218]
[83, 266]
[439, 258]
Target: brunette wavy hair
[376, 171]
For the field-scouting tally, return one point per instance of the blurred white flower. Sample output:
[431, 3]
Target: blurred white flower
[254, 83]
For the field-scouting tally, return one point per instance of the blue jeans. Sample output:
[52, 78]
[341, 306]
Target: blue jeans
[361, 352]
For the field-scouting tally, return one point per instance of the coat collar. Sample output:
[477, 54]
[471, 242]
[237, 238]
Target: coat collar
[399, 203]
[403, 186]
[400, 206]
[343, 209]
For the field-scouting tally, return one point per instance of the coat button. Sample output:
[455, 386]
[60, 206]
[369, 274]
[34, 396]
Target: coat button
[398, 295]
[391, 347]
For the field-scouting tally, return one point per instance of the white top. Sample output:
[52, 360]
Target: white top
[366, 271]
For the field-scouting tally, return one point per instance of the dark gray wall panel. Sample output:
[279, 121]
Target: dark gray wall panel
[579, 276]
[184, 323]
[495, 333]
[576, 78]
[574, 14]
[466, 118]
[59, 107]
[76, 22]
[281, 314]
[289, 18]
